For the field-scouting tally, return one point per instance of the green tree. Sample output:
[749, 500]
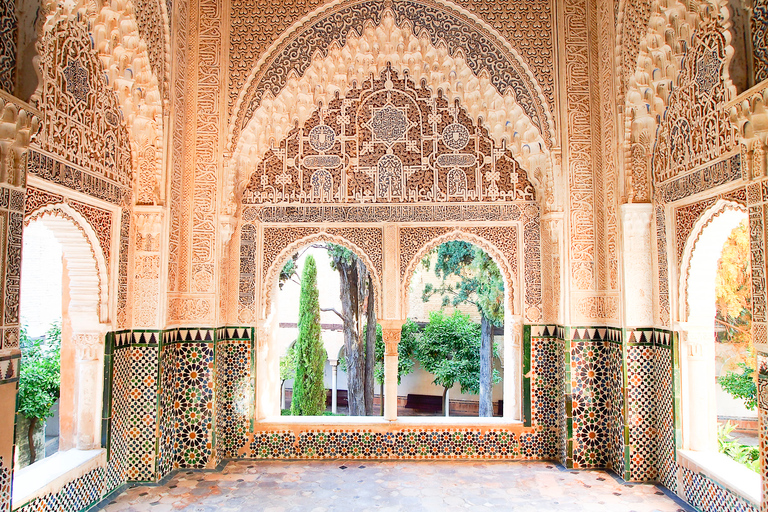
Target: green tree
[287, 371]
[308, 389]
[449, 349]
[39, 378]
[357, 310]
[733, 313]
[733, 288]
[476, 280]
[741, 385]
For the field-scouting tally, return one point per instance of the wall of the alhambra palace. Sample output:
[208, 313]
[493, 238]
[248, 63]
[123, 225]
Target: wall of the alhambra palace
[184, 248]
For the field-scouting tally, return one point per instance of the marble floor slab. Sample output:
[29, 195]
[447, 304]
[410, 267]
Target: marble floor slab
[283, 486]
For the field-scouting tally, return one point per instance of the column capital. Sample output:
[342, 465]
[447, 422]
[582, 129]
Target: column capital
[88, 345]
[391, 329]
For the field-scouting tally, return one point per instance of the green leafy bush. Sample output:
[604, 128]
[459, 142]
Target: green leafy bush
[449, 349]
[741, 453]
[39, 373]
[741, 385]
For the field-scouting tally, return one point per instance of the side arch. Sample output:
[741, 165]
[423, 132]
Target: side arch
[86, 265]
[273, 271]
[701, 253]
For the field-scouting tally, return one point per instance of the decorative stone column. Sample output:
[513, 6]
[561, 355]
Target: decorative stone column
[89, 349]
[391, 330]
[334, 377]
[636, 264]
[699, 412]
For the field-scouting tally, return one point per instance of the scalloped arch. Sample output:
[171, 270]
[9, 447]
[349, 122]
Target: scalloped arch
[713, 217]
[274, 269]
[86, 266]
[510, 285]
[368, 53]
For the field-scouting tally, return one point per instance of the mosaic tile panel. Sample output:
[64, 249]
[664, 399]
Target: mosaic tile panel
[234, 390]
[187, 369]
[77, 495]
[117, 450]
[140, 434]
[762, 386]
[5, 485]
[547, 408]
[167, 430]
[641, 406]
[399, 444]
[706, 495]
[664, 395]
[595, 381]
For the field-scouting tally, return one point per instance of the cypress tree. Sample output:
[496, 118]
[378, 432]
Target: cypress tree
[308, 389]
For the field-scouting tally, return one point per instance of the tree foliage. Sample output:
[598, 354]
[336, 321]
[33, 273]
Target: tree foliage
[308, 389]
[449, 349]
[288, 364]
[39, 373]
[741, 385]
[733, 291]
[478, 282]
[733, 288]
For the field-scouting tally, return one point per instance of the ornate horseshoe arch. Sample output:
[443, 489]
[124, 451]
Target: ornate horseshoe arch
[707, 219]
[272, 268]
[89, 288]
[508, 271]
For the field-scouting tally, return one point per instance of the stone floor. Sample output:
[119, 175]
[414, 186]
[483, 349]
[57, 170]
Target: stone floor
[394, 485]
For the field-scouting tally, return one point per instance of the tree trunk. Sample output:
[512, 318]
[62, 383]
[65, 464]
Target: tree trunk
[31, 440]
[350, 309]
[446, 402]
[370, 346]
[486, 370]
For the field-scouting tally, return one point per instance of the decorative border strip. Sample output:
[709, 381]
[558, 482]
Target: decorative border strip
[9, 368]
[468, 443]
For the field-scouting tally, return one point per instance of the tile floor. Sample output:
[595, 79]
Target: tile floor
[392, 486]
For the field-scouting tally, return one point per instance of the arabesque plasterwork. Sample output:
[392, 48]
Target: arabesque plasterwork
[189, 148]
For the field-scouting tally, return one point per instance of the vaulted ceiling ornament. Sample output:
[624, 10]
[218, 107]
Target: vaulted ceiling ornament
[442, 68]
[388, 141]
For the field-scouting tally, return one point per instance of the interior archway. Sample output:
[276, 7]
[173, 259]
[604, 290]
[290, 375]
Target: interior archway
[697, 310]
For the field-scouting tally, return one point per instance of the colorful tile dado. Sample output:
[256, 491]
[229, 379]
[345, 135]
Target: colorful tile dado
[133, 424]
[544, 400]
[5, 485]
[234, 389]
[79, 494]
[187, 385]
[593, 402]
[399, 444]
[666, 398]
[707, 496]
[644, 347]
